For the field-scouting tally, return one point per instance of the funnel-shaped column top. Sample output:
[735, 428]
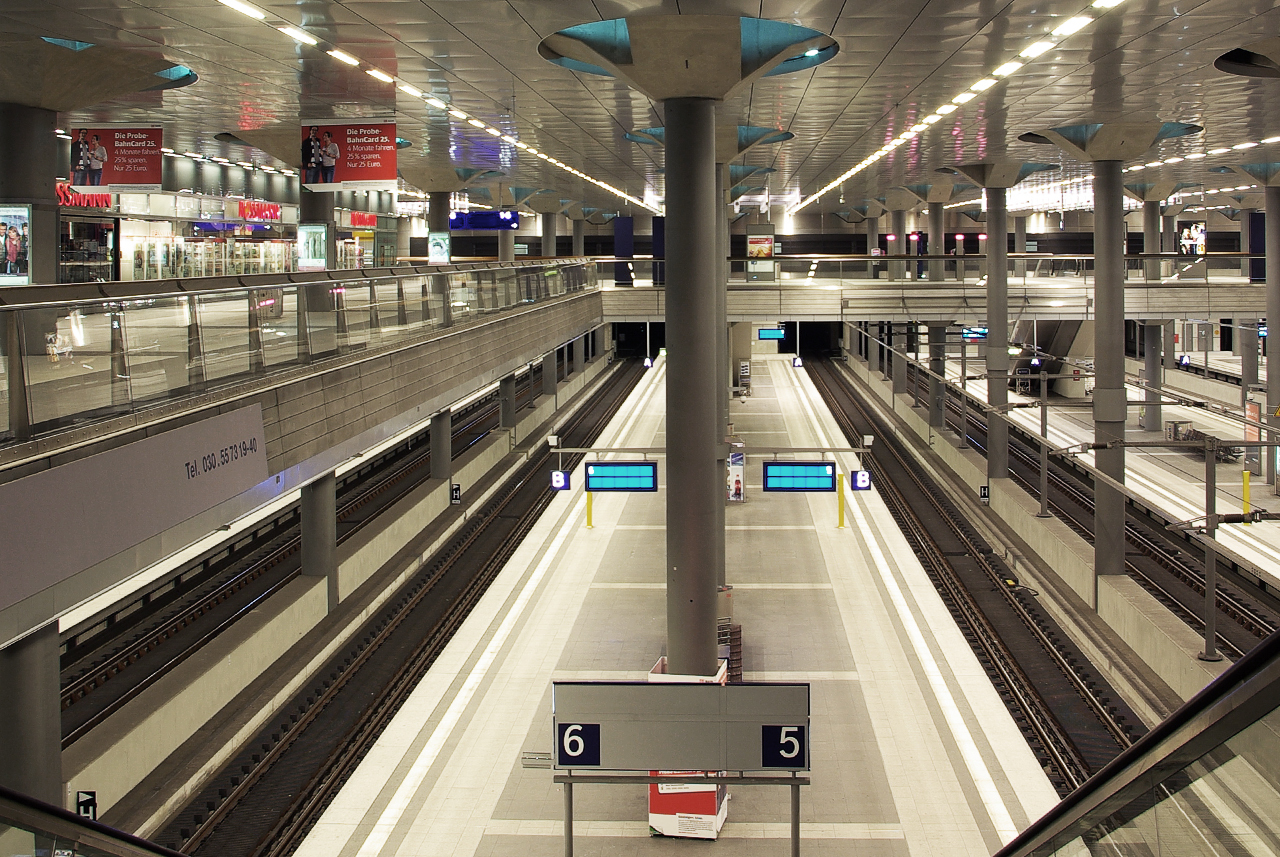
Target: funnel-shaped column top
[1111, 141]
[688, 56]
[997, 175]
[445, 177]
[63, 74]
[732, 141]
[1267, 175]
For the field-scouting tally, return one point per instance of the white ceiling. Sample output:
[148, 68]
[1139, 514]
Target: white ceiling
[898, 60]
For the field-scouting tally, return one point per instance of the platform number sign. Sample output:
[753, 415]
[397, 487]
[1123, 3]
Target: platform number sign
[578, 745]
[560, 480]
[784, 747]
[860, 480]
[455, 494]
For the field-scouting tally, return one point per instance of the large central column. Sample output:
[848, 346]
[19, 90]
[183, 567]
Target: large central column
[873, 243]
[997, 331]
[1151, 237]
[897, 246]
[1153, 345]
[694, 487]
[1109, 406]
[549, 233]
[724, 363]
[937, 241]
[1272, 250]
[579, 237]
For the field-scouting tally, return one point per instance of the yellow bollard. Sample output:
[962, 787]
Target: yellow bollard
[840, 491]
[589, 527]
[1246, 494]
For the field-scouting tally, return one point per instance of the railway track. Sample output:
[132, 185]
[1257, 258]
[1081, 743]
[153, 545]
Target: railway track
[1172, 574]
[106, 668]
[1070, 716]
[264, 801]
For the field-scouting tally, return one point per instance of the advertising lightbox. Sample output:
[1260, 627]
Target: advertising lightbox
[15, 245]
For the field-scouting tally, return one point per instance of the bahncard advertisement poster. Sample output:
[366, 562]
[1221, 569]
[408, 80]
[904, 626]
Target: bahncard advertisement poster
[116, 159]
[348, 156]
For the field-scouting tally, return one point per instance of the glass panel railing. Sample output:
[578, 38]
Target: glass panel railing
[82, 360]
[29, 828]
[1204, 782]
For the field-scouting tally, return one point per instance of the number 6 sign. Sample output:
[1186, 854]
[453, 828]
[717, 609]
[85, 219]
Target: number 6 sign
[783, 747]
[578, 745]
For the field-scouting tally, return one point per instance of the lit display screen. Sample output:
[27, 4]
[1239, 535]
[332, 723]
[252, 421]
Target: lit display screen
[860, 480]
[799, 476]
[766, 333]
[622, 476]
[559, 480]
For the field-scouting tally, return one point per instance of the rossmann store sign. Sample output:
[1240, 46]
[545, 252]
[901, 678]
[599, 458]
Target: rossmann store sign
[252, 209]
[71, 198]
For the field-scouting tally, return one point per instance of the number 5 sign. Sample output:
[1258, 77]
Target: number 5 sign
[784, 747]
[578, 745]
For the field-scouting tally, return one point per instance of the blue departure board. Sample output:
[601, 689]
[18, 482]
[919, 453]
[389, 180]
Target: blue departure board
[799, 476]
[766, 333]
[622, 476]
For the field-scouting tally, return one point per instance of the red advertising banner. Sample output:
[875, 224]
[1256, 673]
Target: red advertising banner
[252, 209]
[350, 156]
[116, 158]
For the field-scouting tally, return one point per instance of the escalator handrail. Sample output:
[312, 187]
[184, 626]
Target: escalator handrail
[1243, 694]
[35, 815]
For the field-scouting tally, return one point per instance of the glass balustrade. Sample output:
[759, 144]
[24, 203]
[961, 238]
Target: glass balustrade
[85, 360]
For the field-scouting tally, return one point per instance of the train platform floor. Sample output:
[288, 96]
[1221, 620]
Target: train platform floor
[1170, 480]
[913, 753]
[1223, 361]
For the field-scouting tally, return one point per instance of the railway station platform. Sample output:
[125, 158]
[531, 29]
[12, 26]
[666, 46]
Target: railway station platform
[913, 751]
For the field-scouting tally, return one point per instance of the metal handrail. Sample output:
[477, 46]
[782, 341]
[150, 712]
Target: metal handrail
[46, 820]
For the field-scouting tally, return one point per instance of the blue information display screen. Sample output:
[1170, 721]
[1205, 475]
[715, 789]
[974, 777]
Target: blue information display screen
[771, 333]
[860, 480]
[622, 476]
[799, 476]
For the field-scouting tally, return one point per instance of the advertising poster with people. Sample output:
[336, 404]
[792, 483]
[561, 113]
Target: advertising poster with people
[759, 246]
[1191, 241]
[348, 156]
[737, 467]
[116, 159]
[15, 245]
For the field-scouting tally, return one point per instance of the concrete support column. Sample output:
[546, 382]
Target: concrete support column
[997, 331]
[31, 715]
[579, 237]
[438, 203]
[724, 361]
[550, 384]
[873, 348]
[1169, 236]
[579, 354]
[937, 241]
[15, 373]
[442, 445]
[506, 245]
[1109, 408]
[1272, 250]
[873, 242]
[1170, 352]
[317, 208]
[549, 233]
[27, 144]
[1246, 215]
[624, 248]
[1247, 334]
[507, 401]
[694, 485]
[1151, 238]
[1020, 244]
[319, 507]
[938, 366]
[898, 354]
[897, 246]
[1152, 336]
[404, 230]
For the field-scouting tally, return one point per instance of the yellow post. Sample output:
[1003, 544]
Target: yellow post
[589, 527]
[1246, 495]
[840, 503]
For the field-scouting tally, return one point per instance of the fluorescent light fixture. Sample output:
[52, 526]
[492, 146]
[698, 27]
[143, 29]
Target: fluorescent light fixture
[507, 138]
[289, 172]
[1244, 145]
[343, 56]
[378, 74]
[437, 103]
[458, 114]
[906, 135]
[812, 52]
[194, 155]
[917, 128]
[245, 164]
[1195, 156]
[1072, 25]
[220, 160]
[521, 145]
[297, 35]
[947, 108]
[542, 155]
[1137, 167]
[931, 118]
[1173, 160]
[984, 84]
[244, 9]
[1219, 151]
[964, 98]
[167, 150]
[531, 150]
[410, 90]
[1057, 303]
[475, 122]
[1153, 164]
[1035, 49]
[1007, 69]
[494, 131]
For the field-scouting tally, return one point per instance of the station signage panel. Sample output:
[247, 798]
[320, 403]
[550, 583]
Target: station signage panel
[860, 480]
[766, 334]
[348, 156]
[622, 476]
[642, 726]
[484, 220]
[560, 480]
[799, 476]
[116, 159]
